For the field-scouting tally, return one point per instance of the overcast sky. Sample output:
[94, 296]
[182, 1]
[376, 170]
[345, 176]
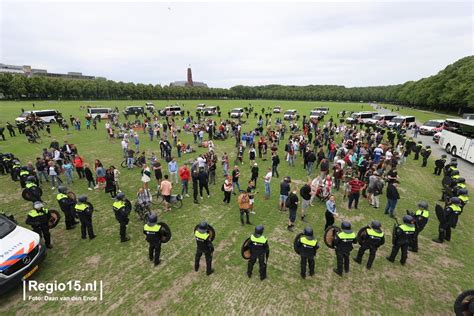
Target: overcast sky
[351, 44]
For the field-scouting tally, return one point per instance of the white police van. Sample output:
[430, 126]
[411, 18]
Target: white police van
[47, 116]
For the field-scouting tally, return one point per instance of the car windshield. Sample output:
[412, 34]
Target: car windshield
[6, 227]
[431, 123]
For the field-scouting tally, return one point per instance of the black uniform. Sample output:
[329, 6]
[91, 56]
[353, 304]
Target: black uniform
[66, 204]
[343, 244]
[451, 214]
[121, 214]
[372, 241]
[204, 246]
[404, 235]
[84, 212]
[425, 153]
[260, 250]
[421, 219]
[439, 165]
[34, 191]
[153, 234]
[417, 151]
[307, 249]
[39, 219]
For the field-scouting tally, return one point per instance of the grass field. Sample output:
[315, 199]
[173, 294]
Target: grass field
[427, 285]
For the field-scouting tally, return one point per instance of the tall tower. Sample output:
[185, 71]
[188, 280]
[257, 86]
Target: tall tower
[190, 77]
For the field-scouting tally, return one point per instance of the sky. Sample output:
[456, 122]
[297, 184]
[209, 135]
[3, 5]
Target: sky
[226, 44]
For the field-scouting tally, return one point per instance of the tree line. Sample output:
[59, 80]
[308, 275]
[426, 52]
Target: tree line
[452, 89]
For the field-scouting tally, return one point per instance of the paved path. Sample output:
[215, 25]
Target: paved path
[466, 169]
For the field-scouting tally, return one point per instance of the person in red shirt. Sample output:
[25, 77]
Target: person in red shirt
[184, 175]
[356, 186]
[79, 165]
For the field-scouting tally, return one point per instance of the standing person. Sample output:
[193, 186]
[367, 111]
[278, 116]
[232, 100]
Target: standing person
[439, 165]
[100, 175]
[84, 211]
[116, 178]
[292, 205]
[38, 218]
[66, 204]
[235, 178]
[284, 192]
[203, 182]
[121, 210]
[425, 154]
[259, 250]
[41, 171]
[53, 172]
[404, 234]
[146, 176]
[173, 170]
[244, 206]
[372, 240]
[421, 219]
[68, 169]
[451, 213]
[338, 174]
[203, 246]
[227, 188]
[89, 177]
[392, 198]
[110, 186]
[158, 172]
[343, 245]
[267, 179]
[305, 193]
[356, 186]
[377, 189]
[166, 188]
[212, 171]
[153, 233]
[275, 163]
[195, 178]
[307, 246]
[330, 211]
[79, 165]
[184, 175]
[254, 172]
[251, 191]
[225, 164]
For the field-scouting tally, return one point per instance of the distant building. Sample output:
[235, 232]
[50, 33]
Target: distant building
[189, 82]
[27, 71]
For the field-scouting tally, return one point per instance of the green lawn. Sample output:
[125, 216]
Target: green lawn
[427, 285]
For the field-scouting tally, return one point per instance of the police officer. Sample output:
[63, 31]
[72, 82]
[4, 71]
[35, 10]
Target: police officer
[204, 246]
[451, 166]
[153, 233]
[439, 165]
[463, 196]
[451, 214]
[121, 211]
[460, 184]
[260, 250]
[24, 173]
[421, 219]
[307, 246]
[373, 239]
[66, 204]
[417, 150]
[343, 245]
[84, 212]
[425, 153]
[15, 170]
[33, 190]
[404, 235]
[38, 218]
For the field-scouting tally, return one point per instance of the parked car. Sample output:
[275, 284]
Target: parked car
[323, 110]
[207, 111]
[291, 115]
[150, 107]
[173, 110]
[277, 109]
[432, 127]
[408, 121]
[380, 119]
[102, 112]
[236, 113]
[47, 116]
[20, 254]
[134, 110]
[316, 115]
[360, 117]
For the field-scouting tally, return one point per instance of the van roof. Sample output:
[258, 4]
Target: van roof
[462, 121]
[404, 117]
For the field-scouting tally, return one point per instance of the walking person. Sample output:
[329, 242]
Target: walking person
[89, 177]
[356, 186]
[267, 179]
[235, 178]
[275, 163]
[292, 205]
[305, 193]
[110, 186]
[68, 170]
[227, 188]
[284, 192]
[203, 182]
[392, 198]
[184, 175]
[244, 206]
[53, 172]
[79, 165]
[330, 211]
[173, 170]
[146, 176]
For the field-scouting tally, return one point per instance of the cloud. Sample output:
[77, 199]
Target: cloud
[354, 44]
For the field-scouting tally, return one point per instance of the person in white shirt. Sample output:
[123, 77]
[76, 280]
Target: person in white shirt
[201, 162]
[125, 147]
[267, 178]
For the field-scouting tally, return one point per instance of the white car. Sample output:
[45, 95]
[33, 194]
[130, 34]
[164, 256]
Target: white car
[360, 117]
[323, 110]
[277, 109]
[380, 119]
[408, 121]
[291, 115]
[316, 115]
[431, 127]
[237, 113]
[47, 116]
[20, 254]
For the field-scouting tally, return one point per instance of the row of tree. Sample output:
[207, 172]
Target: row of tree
[450, 90]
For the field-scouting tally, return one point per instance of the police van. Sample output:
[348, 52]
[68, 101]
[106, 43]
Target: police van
[47, 116]
[20, 254]
[360, 117]
[237, 113]
[102, 112]
[171, 111]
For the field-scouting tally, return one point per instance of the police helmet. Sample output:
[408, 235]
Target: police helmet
[202, 227]
[62, 189]
[31, 179]
[443, 156]
[152, 218]
[420, 142]
[408, 219]
[38, 205]
[120, 196]
[428, 147]
[24, 168]
[454, 163]
[463, 192]
[346, 227]
[454, 172]
[308, 232]
[259, 230]
[461, 180]
[423, 205]
[375, 225]
[82, 198]
[455, 200]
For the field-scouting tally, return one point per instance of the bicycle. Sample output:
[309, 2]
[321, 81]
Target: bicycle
[176, 200]
[136, 163]
[143, 211]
